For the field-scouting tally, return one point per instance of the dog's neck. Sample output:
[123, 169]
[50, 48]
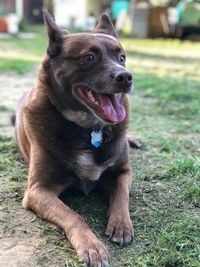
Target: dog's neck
[83, 119]
[96, 135]
[98, 130]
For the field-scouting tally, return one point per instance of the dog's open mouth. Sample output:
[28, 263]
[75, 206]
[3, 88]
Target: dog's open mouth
[106, 106]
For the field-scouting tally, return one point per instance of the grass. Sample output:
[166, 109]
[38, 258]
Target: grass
[165, 195]
[21, 55]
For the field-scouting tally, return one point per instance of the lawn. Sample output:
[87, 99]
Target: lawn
[165, 195]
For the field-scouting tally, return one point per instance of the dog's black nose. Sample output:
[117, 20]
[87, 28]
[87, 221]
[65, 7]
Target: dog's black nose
[124, 79]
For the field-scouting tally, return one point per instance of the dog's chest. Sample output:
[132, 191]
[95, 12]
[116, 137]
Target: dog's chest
[86, 167]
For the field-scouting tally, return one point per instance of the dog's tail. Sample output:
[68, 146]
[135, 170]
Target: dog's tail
[13, 119]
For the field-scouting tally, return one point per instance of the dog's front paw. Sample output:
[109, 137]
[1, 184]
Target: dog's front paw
[94, 254]
[120, 229]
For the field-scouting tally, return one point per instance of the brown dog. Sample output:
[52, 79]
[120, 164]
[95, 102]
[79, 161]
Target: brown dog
[71, 129]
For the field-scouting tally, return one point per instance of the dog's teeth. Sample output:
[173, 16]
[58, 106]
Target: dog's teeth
[92, 98]
[90, 95]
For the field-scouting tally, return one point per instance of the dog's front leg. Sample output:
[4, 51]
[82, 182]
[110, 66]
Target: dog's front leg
[42, 198]
[119, 227]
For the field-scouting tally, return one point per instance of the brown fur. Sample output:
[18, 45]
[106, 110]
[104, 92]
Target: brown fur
[55, 140]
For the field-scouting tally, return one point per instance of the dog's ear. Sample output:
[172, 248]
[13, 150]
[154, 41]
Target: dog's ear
[105, 26]
[55, 35]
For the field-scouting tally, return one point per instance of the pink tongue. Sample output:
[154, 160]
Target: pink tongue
[112, 109]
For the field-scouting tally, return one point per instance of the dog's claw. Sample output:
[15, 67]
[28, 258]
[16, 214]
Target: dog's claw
[120, 231]
[95, 255]
[128, 238]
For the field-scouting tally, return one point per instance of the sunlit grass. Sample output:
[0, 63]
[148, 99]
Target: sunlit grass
[22, 55]
[163, 47]
[19, 56]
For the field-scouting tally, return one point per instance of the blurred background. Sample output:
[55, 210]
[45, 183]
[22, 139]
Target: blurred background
[139, 18]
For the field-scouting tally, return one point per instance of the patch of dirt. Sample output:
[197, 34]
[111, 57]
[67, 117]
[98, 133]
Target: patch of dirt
[13, 87]
[22, 239]
[17, 244]
[13, 252]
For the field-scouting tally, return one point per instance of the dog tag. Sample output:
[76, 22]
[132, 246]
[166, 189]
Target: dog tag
[96, 138]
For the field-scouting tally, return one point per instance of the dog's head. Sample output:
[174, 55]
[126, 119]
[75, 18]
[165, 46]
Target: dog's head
[87, 73]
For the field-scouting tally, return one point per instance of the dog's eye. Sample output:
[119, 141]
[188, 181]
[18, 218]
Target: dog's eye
[122, 58]
[88, 58]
